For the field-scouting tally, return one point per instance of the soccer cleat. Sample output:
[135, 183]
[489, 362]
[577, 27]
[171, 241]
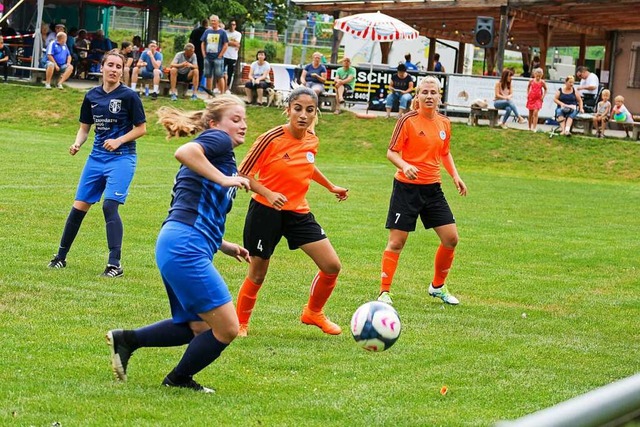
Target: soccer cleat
[243, 330]
[120, 353]
[194, 97]
[443, 294]
[57, 262]
[154, 95]
[385, 297]
[317, 318]
[174, 97]
[113, 271]
[191, 384]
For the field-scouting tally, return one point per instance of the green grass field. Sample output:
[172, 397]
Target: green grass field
[550, 229]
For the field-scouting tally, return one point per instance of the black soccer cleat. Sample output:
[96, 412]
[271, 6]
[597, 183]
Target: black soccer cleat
[191, 384]
[57, 262]
[112, 271]
[120, 353]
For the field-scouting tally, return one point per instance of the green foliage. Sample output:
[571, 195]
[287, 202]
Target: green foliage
[179, 41]
[271, 51]
[546, 230]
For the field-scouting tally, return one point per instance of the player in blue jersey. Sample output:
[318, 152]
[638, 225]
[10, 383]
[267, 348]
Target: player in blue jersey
[118, 116]
[203, 315]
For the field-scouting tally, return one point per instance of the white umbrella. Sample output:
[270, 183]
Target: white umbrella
[376, 27]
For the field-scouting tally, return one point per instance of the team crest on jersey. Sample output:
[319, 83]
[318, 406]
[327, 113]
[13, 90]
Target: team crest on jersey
[443, 135]
[310, 157]
[115, 105]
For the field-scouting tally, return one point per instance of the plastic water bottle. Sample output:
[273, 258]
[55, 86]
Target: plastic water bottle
[146, 91]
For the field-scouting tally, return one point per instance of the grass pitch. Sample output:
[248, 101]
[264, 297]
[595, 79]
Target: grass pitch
[549, 229]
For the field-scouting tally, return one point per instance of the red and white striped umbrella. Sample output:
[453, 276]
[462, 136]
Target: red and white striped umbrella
[375, 26]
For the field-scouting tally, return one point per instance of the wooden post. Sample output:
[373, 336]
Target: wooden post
[583, 49]
[432, 51]
[460, 65]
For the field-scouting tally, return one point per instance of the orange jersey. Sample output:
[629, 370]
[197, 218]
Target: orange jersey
[422, 143]
[284, 165]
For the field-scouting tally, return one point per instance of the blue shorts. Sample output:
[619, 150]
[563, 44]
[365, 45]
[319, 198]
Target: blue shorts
[214, 68]
[193, 285]
[146, 74]
[110, 175]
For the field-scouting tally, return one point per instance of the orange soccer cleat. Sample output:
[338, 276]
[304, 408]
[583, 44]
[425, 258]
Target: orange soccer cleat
[317, 318]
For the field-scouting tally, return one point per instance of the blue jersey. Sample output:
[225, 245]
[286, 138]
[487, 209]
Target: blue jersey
[114, 114]
[201, 203]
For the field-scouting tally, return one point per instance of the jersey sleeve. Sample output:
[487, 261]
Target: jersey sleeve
[137, 110]
[398, 137]
[446, 146]
[252, 162]
[214, 143]
[86, 116]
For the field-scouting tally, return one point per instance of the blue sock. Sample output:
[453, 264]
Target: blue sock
[115, 230]
[200, 353]
[164, 333]
[71, 227]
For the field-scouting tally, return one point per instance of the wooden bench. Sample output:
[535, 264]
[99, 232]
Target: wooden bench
[244, 78]
[488, 113]
[634, 128]
[585, 122]
[37, 75]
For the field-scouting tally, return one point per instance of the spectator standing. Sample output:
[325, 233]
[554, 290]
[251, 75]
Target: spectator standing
[314, 74]
[344, 81]
[310, 31]
[214, 43]
[400, 89]
[184, 68]
[149, 66]
[437, 65]
[194, 39]
[299, 27]
[536, 91]
[410, 65]
[5, 59]
[504, 98]
[58, 60]
[231, 54]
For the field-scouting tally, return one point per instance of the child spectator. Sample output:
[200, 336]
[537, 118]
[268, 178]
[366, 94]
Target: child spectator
[601, 117]
[620, 113]
[536, 91]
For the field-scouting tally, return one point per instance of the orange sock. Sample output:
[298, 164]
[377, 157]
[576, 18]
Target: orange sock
[443, 261]
[389, 265]
[246, 300]
[321, 288]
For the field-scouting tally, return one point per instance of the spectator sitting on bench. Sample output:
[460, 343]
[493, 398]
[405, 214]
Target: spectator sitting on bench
[126, 50]
[344, 81]
[149, 67]
[620, 114]
[569, 105]
[400, 88]
[5, 58]
[82, 47]
[258, 78]
[503, 98]
[99, 46]
[184, 68]
[313, 75]
[58, 60]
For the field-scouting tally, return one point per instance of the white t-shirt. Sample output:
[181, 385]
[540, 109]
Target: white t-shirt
[591, 80]
[258, 70]
[232, 52]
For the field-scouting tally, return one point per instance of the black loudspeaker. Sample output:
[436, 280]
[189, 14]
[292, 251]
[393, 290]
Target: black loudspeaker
[483, 35]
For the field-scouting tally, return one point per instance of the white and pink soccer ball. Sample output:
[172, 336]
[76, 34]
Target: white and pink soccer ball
[375, 326]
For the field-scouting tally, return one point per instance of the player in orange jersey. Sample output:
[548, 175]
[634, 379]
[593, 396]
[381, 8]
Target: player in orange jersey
[280, 166]
[419, 145]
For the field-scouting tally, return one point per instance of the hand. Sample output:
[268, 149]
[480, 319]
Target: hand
[235, 251]
[74, 149]
[410, 171]
[460, 185]
[111, 144]
[236, 181]
[341, 193]
[277, 200]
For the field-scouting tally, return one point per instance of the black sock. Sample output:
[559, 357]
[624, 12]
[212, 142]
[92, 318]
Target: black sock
[115, 230]
[71, 227]
[200, 353]
[164, 333]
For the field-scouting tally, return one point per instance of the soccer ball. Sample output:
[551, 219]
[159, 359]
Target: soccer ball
[620, 116]
[375, 326]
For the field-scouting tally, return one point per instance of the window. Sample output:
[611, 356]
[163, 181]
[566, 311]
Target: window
[634, 66]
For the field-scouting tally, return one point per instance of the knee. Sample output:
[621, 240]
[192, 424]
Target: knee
[395, 245]
[110, 209]
[333, 267]
[227, 333]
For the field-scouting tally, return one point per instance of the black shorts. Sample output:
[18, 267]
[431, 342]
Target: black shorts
[265, 226]
[410, 200]
[184, 77]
